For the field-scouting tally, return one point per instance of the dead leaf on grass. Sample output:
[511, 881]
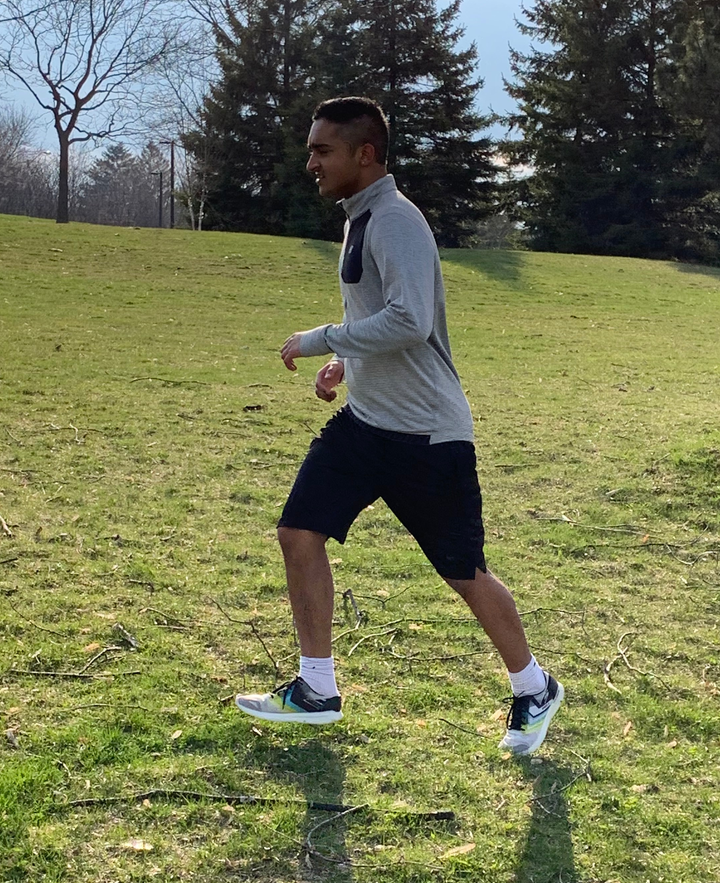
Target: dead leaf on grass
[459, 850]
[135, 844]
[176, 735]
[91, 648]
[628, 726]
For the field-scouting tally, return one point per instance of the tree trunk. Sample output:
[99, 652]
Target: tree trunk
[63, 215]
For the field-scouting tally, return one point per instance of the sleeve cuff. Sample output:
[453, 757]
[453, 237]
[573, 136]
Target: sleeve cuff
[314, 343]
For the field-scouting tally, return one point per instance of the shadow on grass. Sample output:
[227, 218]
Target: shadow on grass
[313, 768]
[547, 855]
[502, 265]
[329, 251]
[699, 269]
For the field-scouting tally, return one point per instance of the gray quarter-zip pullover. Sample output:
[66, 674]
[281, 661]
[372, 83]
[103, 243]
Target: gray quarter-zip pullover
[393, 339]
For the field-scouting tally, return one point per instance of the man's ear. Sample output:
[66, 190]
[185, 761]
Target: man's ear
[367, 154]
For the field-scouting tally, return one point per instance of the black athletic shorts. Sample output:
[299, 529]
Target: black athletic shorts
[432, 489]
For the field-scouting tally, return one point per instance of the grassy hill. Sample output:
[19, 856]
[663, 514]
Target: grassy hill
[148, 437]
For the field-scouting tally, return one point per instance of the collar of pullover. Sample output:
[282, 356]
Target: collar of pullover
[361, 202]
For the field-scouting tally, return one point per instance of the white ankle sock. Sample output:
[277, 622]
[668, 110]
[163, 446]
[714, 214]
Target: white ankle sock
[319, 675]
[528, 682]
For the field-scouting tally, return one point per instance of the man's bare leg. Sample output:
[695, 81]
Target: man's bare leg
[311, 589]
[537, 695]
[311, 698]
[495, 610]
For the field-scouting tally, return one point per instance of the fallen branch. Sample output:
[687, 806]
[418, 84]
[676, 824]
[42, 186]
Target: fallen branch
[457, 727]
[307, 843]
[623, 651]
[585, 774]
[70, 674]
[126, 636]
[622, 654]
[106, 705]
[368, 637]
[253, 628]
[606, 676]
[349, 598]
[252, 800]
[9, 560]
[436, 658]
[169, 382]
[170, 619]
[513, 465]
[32, 622]
[635, 531]
[100, 656]
[5, 529]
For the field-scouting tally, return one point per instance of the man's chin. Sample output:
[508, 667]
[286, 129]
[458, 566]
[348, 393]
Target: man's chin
[325, 191]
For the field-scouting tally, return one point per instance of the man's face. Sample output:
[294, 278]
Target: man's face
[335, 164]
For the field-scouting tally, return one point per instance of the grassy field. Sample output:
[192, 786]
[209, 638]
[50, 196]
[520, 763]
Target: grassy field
[148, 437]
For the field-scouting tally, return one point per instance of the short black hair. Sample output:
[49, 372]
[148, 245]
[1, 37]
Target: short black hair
[363, 122]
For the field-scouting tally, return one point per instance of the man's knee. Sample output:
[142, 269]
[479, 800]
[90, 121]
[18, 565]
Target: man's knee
[300, 543]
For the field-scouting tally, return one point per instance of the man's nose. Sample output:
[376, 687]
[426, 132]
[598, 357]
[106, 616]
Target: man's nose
[312, 164]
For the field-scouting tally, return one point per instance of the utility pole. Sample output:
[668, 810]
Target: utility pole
[172, 182]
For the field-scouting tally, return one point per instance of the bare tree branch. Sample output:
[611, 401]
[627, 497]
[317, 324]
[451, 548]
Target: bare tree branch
[81, 60]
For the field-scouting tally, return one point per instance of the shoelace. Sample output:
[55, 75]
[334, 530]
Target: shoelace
[284, 689]
[517, 716]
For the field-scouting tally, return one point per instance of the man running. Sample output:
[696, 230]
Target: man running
[405, 434]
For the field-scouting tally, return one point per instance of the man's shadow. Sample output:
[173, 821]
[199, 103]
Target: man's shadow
[314, 769]
[547, 854]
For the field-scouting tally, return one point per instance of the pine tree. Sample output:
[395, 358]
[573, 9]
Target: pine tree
[694, 95]
[123, 189]
[403, 53]
[109, 196]
[609, 159]
[280, 58]
[251, 118]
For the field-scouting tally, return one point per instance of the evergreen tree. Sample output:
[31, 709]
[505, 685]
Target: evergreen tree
[124, 189]
[612, 170]
[251, 118]
[694, 95]
[279, 58]
[403, 54]
[111, 190]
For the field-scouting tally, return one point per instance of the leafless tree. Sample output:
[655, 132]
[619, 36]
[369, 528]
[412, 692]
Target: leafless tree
[179, 112]
[15, 129]
[85, 62]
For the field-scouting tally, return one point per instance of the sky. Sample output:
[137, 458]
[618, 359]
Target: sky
[490, 24]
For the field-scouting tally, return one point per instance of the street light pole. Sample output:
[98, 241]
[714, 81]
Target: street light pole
[172, 182]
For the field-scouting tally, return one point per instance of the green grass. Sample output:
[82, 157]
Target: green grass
[148, 437]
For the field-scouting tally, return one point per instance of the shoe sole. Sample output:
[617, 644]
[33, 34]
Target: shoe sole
[542, 732]
[316, 718]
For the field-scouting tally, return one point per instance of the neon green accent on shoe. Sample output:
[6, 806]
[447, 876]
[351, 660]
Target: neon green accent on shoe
[294, 702]
[529, 718]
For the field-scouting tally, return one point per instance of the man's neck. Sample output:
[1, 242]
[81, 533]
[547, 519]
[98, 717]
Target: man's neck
[373, 175]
